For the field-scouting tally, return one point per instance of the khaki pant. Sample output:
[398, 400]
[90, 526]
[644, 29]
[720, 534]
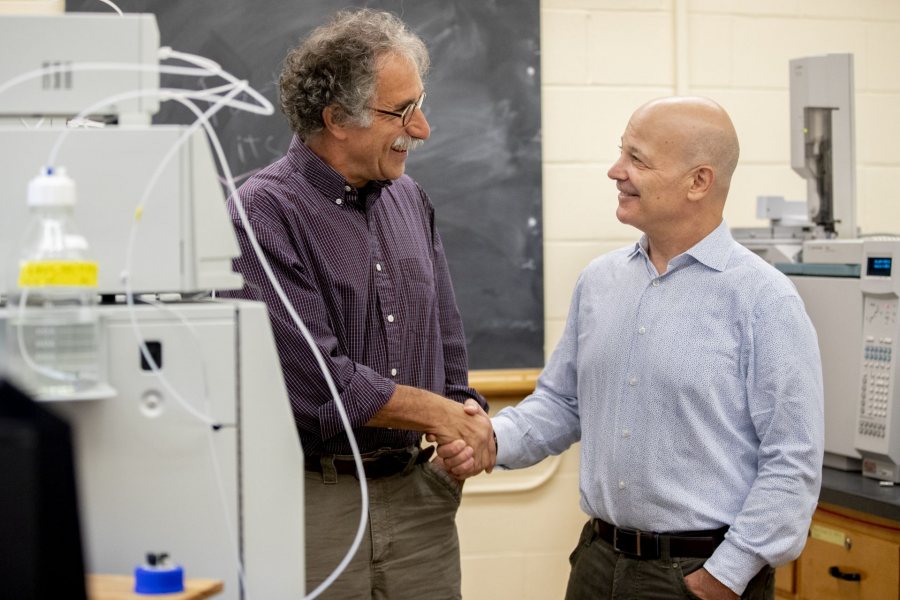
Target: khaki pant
[410, 549]
[598, 571]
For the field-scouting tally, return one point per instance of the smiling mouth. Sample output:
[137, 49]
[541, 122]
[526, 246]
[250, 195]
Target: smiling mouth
[406, 143]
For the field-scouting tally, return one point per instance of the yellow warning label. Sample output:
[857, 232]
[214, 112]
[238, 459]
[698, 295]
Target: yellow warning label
[58, 273]
[827, 534]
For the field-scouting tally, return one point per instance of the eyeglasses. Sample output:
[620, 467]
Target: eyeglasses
[406, 114]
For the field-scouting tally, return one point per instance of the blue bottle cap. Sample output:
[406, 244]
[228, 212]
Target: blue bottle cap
[158, 580]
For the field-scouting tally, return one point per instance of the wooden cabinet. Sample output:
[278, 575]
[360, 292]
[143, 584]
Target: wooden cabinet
[849, 555]
[786, 582]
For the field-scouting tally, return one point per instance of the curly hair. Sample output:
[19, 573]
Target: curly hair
[338, 64]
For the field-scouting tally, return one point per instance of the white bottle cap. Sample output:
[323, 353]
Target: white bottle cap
[51, 188]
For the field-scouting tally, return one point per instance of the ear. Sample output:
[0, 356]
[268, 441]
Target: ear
[333, 124]
[702, 181]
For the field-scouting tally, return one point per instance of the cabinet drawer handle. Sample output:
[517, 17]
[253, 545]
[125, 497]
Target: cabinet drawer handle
[838, 574]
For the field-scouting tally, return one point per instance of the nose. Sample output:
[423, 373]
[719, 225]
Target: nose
[617, 170]
[418, 126]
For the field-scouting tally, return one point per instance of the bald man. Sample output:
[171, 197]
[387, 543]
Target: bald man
[690, 373]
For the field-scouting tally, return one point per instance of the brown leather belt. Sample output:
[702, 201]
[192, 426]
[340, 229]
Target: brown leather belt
[381, 463]
[647, 545]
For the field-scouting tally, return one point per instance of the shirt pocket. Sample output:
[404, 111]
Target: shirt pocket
[417, 283]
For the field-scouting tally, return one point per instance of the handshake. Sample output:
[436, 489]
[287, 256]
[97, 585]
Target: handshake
[466, 442]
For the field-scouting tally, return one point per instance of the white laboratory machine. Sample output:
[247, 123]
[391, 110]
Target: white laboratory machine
[848, 283]
[851, 290]
[152, 475]
[823, 153]
[828, 281]
[878, 422]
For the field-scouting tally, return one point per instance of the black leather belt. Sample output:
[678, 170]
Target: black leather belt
[381, 463]
[646, 544]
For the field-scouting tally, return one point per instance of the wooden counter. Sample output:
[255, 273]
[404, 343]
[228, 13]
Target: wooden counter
[121, 587]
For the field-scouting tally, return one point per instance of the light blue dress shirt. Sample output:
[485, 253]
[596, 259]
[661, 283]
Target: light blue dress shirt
[697, 397]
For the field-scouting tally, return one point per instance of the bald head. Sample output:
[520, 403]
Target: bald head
[695, 131]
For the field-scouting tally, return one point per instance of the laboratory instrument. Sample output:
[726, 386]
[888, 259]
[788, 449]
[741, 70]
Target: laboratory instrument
[848, 283]
[823, 153]
[196, 451]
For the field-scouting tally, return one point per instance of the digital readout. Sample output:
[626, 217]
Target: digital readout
[879, 266]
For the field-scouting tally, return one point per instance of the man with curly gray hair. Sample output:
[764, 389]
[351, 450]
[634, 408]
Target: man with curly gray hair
[353, 242]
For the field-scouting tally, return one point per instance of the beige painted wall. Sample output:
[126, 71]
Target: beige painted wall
[600, 60]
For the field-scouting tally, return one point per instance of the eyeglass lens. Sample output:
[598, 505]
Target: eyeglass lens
[411, 108]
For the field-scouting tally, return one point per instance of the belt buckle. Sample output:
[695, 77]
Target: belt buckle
[631, 532]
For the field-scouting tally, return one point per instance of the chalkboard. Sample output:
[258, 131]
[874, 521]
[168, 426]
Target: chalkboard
[481, 167]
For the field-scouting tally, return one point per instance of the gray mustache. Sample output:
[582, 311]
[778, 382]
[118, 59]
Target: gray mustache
[408, 143]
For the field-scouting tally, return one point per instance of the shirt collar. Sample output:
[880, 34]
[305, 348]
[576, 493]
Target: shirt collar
[714, 250]
[329, 182]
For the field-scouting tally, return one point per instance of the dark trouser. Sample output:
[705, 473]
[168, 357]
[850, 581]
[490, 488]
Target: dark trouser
[599, 572]
[410, 549]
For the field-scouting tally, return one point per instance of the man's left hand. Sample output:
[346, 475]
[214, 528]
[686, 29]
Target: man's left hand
[706, 587]
[454, 455]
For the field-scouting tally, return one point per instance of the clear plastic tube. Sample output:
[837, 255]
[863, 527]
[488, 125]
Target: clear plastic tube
[184, 96]
[113, 6]
[263, 106]
[44, 370]
[220, 154]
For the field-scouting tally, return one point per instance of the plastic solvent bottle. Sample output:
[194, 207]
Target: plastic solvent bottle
[52, 337]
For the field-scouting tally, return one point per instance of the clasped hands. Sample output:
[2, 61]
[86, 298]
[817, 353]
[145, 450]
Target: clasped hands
[466, 443]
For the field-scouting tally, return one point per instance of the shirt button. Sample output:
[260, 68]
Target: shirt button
[656, 283]
[378, 266]
[347, 188]
[621, 485]
[393, 372]
[338, 201]
[632, 381]
[390, 318]
[642, 330]
[626, 433]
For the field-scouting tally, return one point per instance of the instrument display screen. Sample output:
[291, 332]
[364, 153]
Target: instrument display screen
[879, 266]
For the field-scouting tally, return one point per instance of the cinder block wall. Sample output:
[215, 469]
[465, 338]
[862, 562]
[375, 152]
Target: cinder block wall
[603, 58]
[600, 60]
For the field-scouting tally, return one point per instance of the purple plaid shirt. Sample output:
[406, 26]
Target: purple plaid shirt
[365, 270]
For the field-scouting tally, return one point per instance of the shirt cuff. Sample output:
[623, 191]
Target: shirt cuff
[363, 396]
[734, 567]
[504, 431]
